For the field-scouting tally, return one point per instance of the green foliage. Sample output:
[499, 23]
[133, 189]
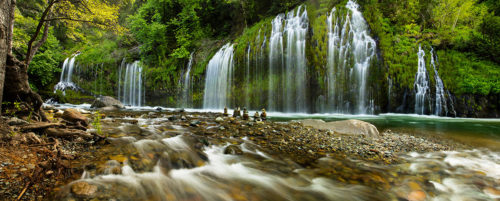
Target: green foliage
[465, 73]
[14, 107]
[97, 123]
[43, 68]
[96, 53]
[462, 27]
[487, 42]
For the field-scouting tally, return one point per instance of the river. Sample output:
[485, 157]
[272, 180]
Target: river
[151, 157]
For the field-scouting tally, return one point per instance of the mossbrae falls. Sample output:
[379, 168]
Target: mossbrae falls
[223, 100]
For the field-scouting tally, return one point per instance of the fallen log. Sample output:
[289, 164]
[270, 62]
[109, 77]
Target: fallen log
[67, 133]
[40, 125]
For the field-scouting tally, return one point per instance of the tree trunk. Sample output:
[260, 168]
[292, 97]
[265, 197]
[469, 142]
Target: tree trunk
[5, 38]
[13, 73]
[19, 90]
[11, 30]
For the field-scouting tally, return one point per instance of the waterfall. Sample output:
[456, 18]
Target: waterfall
[275, 61]
[247, 78]
[350, 51]
[65, 81]
[421, 84]
[130, 84]
[186, 84]
[275, 72]
[440, 93]
[218, 79]
[287, 62]
[451, 103]
[122, 65]
[296, 25]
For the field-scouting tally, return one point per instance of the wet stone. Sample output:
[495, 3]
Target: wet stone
[219, 119]
[195, 123]
[82, 188]
[233, 149]
[132, 129]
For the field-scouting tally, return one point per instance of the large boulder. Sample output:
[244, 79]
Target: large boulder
[349, 127]
[74, 116]
[106, 101]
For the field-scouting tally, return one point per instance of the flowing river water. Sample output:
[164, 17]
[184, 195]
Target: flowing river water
[150, 157]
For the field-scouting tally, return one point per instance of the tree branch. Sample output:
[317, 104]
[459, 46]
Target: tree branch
[66, 18]
[31, 51]
[40, 42]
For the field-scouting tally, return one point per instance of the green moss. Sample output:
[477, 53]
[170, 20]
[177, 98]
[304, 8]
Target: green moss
[73, 97]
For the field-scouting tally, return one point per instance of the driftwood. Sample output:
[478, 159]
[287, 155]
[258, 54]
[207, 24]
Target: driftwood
[40, 125]
[67, 133]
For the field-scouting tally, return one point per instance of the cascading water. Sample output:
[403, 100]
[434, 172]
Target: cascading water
[218, 79]
[287, 62]
[421, 84]
[276, 61]
[348, 43]
[65, 81]
[440, 93]
[247, 77]
[296, 25]
[131, 84]
[186, 84]
[283, 76]
[122, 66]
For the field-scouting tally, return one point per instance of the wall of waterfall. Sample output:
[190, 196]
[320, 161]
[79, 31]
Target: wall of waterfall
[271, 67]
[312, 59]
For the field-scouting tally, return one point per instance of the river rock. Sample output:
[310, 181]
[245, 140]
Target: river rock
[416, 196]
[106, 101]
[233, 150]
[74, 116]
[179, 110]
[58, 114]
[132, 129]
[82, 188]
[109, 108]
[349, 127]
[195, 123]
[219, 119]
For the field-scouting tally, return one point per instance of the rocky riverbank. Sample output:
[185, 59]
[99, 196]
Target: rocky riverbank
[56, 159]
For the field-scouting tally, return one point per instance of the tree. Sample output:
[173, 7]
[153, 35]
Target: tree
[74, 15]
[5, 39]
